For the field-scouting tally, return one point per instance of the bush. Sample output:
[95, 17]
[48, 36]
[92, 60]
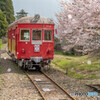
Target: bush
[67, 53]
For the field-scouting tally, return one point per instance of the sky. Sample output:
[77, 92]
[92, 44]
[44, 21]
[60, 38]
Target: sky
[46, 8]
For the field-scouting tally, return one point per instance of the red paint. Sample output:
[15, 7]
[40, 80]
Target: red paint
[56, 31]
[25, 49]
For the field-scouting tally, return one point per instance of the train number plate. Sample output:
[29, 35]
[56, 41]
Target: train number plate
[36, 48]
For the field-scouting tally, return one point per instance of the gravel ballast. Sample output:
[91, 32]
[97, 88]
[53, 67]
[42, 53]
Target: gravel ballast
[16, 85]
[71, 84]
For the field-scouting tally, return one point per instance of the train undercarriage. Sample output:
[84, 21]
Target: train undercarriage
[32, 65]
[35, 63]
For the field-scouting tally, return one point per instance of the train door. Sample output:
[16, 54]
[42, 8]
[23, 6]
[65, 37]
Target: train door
[16, 43]
[9, 41]
[13, 42]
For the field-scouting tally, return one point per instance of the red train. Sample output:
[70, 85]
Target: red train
[31, 41]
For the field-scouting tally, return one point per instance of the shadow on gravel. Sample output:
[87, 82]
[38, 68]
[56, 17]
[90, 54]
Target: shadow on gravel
[9, 66]
[2, 51]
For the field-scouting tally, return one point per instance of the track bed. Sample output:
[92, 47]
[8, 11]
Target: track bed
[48, 89]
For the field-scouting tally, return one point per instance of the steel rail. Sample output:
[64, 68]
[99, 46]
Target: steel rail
[59, 86]
[96, 87]
[36, 86]
[53, 82]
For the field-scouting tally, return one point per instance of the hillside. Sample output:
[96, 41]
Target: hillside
[83, 67]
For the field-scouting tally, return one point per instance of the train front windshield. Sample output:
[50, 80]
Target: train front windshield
[25, 35]
[48, 35]
[37, 35]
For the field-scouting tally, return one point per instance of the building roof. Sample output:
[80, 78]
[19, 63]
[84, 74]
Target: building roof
[33, 19]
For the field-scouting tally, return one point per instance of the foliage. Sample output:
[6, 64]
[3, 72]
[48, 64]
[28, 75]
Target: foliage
[78, 66]
[1, 45]
[3, 24]
[95, 53]
[7, 8]
[21, 14]
[66, 53]
[57, 44]
[79, 24]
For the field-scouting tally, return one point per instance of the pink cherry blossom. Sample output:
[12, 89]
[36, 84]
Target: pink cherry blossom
[79, 24]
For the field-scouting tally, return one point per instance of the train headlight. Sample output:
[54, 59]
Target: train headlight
[49, 51]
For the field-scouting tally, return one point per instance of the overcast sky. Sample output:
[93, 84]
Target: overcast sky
[46, 8]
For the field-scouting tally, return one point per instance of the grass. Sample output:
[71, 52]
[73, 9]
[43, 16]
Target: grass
[1, 45]
[78, 66]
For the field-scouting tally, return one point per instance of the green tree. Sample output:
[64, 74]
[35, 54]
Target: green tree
[21, 14]
[7, 8]
[3, 24]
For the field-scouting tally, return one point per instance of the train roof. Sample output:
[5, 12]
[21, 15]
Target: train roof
[33, 19]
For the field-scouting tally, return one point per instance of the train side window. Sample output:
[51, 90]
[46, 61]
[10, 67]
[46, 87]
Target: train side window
[48, 35]
[25, 35]
[37, 35]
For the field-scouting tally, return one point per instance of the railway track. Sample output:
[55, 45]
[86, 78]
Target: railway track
[96, 87]
[47, 87]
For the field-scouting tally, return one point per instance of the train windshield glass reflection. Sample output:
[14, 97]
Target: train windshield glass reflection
[25, 35]
[36, 35]
[48, 35]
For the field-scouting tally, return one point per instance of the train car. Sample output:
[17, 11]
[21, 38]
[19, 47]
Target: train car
[31, 41]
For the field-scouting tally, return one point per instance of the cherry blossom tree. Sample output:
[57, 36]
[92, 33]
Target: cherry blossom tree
[79, 24]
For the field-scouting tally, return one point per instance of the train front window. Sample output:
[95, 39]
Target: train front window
[25, 35]
[48, 35]
[36, 35]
